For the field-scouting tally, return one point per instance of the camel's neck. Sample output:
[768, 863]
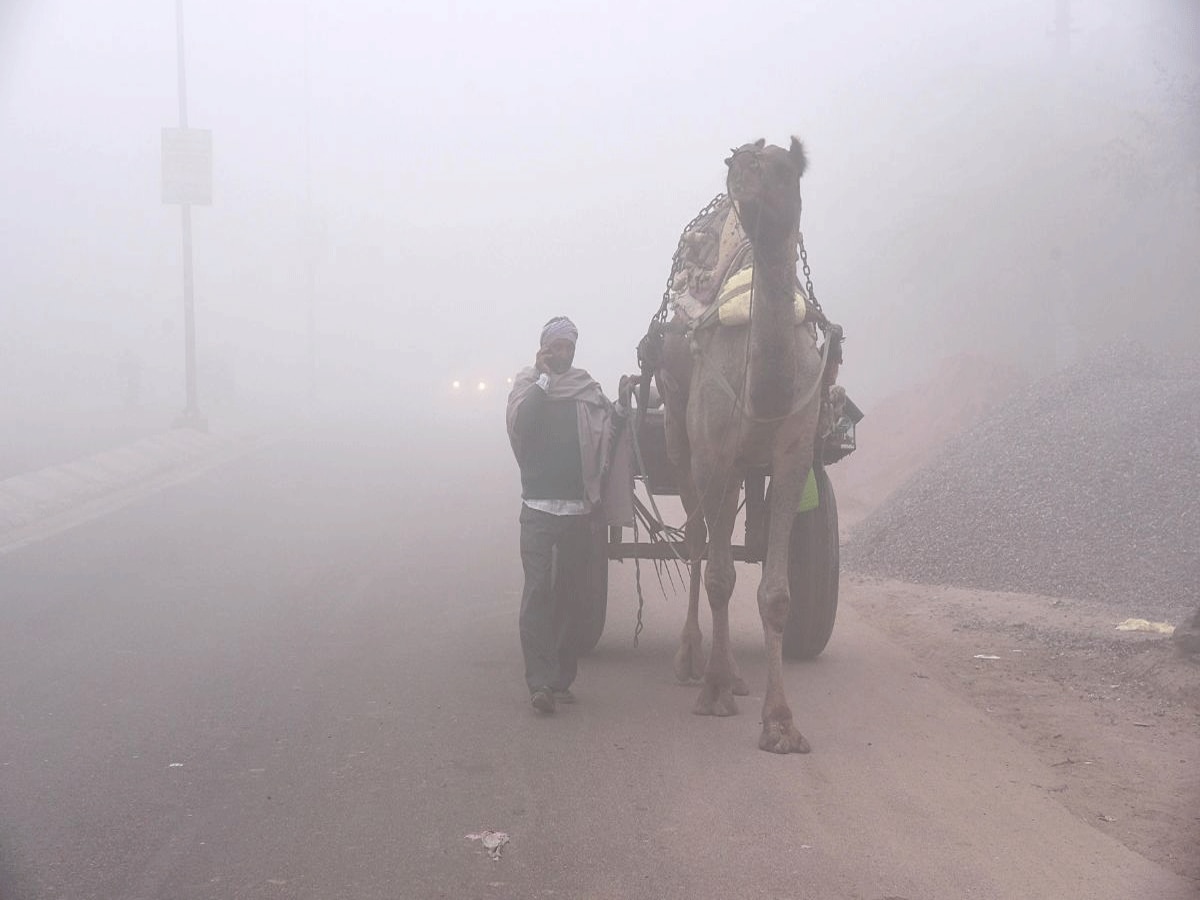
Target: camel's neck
[771, 373]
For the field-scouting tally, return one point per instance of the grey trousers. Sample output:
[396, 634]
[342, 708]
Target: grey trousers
[554, 556]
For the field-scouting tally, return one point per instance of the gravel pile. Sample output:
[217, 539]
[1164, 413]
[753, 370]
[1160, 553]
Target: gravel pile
[1085, 484]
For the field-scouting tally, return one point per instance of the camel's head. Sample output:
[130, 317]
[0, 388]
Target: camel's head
[764, 183]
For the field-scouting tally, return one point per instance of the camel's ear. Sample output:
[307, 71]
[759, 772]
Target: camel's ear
[760, 143]
[798, 156]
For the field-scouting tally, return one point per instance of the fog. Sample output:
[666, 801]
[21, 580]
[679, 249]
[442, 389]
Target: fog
[283, 658]
[433, 181]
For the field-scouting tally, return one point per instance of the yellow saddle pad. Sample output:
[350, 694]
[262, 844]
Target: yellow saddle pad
[733, 300]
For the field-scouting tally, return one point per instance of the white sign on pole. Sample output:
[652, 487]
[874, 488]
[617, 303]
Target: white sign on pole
[187, 166]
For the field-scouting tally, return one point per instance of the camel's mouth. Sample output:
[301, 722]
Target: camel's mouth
[745, 180]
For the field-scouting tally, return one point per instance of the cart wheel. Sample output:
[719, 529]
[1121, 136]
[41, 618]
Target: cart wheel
[813, 576]
[596, 587]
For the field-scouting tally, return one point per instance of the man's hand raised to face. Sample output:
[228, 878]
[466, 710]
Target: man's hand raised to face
[556, 357]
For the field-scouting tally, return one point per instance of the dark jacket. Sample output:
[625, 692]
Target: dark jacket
[547, 435]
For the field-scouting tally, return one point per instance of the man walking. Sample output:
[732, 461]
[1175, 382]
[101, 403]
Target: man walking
[560, 427]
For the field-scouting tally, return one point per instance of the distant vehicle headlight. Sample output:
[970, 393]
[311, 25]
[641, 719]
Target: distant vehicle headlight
[482, 386]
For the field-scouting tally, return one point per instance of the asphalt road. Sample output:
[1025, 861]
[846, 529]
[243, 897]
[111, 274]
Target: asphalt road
[299, 677]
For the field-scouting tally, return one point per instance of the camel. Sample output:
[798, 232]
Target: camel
[740, 398]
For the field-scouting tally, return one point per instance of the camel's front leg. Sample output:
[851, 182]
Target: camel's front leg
[720, 508]
[779, 732]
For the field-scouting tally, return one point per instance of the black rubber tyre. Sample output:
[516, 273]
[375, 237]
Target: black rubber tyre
[596, 586]
[813, 563]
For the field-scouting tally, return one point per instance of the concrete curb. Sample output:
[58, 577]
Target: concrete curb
[40, 504]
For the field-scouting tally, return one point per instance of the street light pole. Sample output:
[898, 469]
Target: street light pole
[191, 417]
[310, 232]
[1062, 301]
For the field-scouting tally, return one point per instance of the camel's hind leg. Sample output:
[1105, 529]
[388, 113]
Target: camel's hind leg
[737, 683]
[689, 659]
[720, 509]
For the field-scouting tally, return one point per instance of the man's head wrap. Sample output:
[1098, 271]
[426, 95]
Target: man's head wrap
[559, 327]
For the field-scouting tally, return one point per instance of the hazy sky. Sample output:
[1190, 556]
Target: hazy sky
[475, 168]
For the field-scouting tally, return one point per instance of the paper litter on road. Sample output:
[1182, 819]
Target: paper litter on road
[493, 841]
[985, 656]
[1145, 625]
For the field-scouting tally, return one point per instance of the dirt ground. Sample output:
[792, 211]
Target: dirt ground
[1115, 715]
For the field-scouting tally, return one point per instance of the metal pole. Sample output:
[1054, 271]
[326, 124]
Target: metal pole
[1065, 338]
[1062, 29]
[191, 413]
[192, 409]
[183, 123]
[310, 237]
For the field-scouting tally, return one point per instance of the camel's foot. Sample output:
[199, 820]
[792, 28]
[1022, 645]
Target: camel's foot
[689, 661]
[782, 737]
[715, 701]
[740, 688]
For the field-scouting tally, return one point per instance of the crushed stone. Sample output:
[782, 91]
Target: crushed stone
[1083, 484]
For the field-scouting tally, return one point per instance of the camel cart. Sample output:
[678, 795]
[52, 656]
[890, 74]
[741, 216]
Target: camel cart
[813, 562]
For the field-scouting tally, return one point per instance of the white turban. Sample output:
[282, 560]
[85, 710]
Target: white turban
[559, 327]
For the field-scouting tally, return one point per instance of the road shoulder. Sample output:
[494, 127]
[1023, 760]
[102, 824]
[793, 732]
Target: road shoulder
[1115, 715]
[38, 505]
